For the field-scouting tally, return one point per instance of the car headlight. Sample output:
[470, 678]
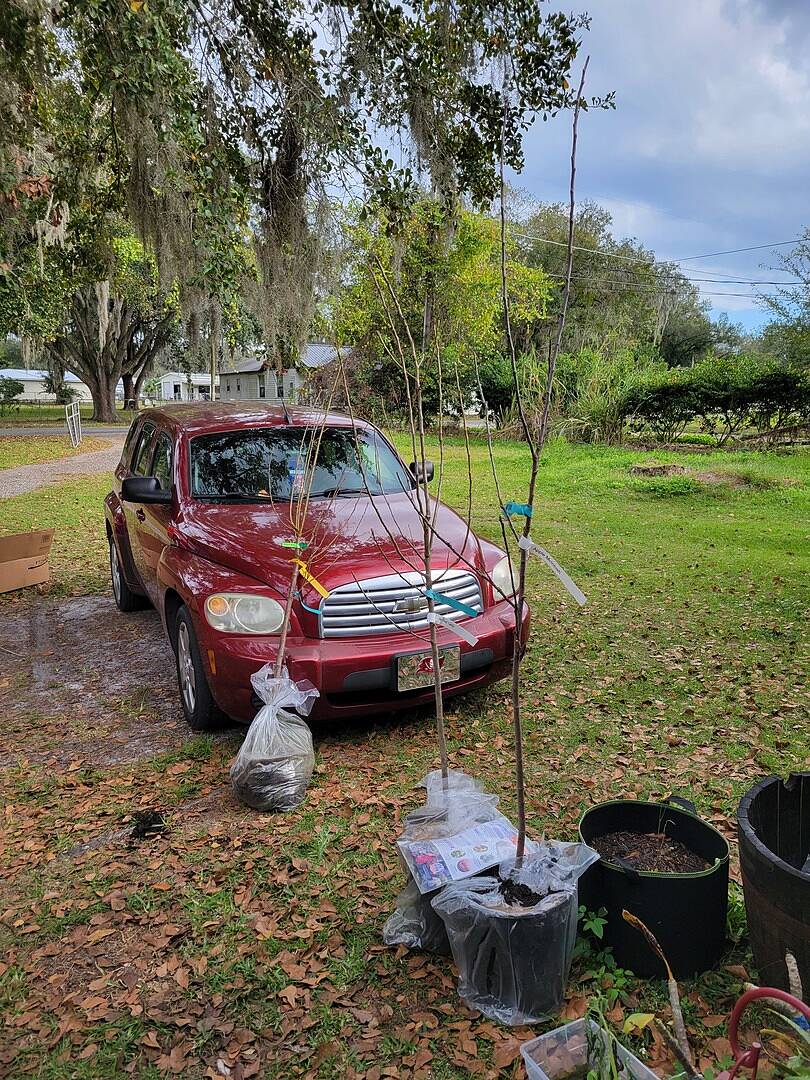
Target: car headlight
[504, 578]
[243, 613]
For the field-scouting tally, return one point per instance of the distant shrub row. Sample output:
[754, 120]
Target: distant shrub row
[727, 396]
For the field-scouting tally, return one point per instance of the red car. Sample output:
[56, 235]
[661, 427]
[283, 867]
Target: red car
[197, 523]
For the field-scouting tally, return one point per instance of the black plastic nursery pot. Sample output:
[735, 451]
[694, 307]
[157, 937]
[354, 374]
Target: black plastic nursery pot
[513, 964]
[432, 933]
[773, 822]
[686, 912]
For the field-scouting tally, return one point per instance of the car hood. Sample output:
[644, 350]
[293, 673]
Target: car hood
[349, 538]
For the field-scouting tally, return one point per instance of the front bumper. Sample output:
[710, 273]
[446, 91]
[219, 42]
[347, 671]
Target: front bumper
[357, 676]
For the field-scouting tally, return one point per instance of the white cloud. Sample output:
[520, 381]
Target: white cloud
[709, 146]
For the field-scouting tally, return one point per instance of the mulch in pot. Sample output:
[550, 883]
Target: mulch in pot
[654, 853]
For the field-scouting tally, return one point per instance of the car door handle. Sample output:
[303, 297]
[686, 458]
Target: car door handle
[140, 514]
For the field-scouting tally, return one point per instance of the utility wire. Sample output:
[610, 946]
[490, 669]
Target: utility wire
[735, 251]
[609, 283]
[648, 262]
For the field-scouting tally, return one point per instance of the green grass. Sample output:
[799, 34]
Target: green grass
[75, 509]
[34, 449]
[683, 673]
[34, 415]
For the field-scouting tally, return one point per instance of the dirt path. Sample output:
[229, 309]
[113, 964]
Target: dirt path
[26, 478]
[101, 684]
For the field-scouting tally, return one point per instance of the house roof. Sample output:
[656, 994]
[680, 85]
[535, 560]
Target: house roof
[33, 375]
[314, 355]
[317, 354]
[246, 364]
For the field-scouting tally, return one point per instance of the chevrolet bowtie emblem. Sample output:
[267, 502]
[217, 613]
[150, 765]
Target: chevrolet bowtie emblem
[410, 605]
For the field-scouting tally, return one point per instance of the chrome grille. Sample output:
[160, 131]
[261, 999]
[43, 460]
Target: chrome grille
[368, 607]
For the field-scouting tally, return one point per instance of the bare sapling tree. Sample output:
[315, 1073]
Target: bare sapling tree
[534, 429]
[309, 540]
[413, 359]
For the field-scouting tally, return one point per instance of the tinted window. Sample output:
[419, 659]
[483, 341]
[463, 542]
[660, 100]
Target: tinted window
[140, 458]
[274, 462]
[130, 441]
[162, 462]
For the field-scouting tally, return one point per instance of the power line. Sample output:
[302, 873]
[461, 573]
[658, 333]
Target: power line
[735, 251]
[619, 284]
[717, 280]
[653, 262]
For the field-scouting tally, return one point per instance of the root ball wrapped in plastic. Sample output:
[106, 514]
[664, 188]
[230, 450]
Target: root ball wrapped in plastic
[275, 762]
[457, 811]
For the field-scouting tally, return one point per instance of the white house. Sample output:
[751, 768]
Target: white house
[34, 385]
[255, 378]
[178, 386]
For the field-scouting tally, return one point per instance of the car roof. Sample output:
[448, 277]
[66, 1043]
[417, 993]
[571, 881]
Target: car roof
[201, 419]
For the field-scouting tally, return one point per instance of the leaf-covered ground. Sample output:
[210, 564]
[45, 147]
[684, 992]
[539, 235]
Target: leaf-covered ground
[233, 944]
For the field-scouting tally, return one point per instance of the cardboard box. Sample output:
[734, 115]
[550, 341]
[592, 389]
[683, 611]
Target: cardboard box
[24, 559]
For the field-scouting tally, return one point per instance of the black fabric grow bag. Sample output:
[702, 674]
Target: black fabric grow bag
[774, 834]
[686, 912]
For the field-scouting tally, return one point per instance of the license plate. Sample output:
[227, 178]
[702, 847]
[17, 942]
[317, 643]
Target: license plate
[415, 670]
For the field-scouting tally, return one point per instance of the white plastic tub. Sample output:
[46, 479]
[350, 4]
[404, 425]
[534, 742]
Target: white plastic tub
[565, 1050]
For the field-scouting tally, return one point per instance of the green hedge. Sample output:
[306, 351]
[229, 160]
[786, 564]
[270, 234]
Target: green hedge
[725, 395]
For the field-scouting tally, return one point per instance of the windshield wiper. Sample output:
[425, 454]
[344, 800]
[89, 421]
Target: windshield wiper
[329, 492]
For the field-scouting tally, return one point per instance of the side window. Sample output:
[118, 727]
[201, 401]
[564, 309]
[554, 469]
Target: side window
[140, 458]
[162, 462]
[129, 442]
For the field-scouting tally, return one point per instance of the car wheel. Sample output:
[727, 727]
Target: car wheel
[125, 598]
[201, 711]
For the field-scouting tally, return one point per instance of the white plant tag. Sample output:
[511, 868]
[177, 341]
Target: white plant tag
[527, 544]
[450, 624]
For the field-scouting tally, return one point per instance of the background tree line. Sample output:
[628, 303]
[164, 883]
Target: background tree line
[640, 349]
[170, 172]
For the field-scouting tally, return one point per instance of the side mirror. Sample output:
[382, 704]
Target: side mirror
[416, 469]
[144, 489]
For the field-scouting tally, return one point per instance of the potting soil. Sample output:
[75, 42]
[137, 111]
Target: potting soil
[515, 893]
[654, 853]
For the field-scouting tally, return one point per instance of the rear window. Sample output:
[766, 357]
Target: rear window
[273, 463]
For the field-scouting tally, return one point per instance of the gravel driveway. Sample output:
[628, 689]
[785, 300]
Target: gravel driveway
[29, 477]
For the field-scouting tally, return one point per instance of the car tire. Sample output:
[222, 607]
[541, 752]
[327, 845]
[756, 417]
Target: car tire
[199, 707]
[125, 598]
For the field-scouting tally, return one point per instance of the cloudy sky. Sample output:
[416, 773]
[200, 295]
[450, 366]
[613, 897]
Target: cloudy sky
[709, 146]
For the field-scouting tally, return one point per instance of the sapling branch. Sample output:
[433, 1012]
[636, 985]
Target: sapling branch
[535, 440]
[672, 988]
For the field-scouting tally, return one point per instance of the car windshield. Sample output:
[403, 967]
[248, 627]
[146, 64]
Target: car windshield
[271, 463]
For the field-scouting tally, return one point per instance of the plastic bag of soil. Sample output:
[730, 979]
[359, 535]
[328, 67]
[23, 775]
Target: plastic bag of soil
[457, 833]
[275, 762]
[512, 935]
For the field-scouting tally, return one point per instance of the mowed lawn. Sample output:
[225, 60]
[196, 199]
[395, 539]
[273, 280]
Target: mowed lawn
[253, 944]
[18, 450]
